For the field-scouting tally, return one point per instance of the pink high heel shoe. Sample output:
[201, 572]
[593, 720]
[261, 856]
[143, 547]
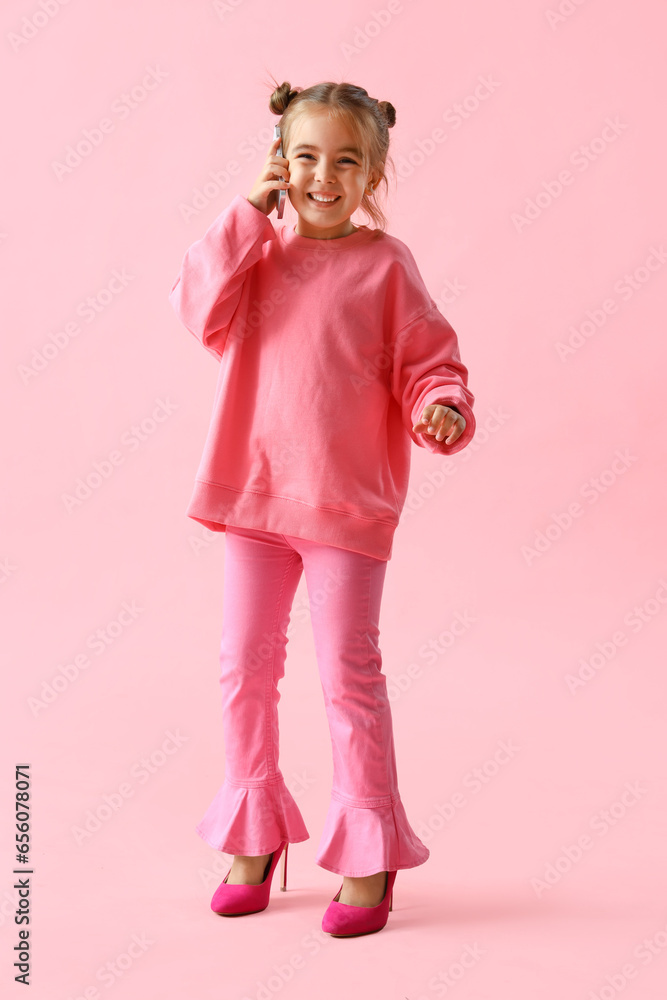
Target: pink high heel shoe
[345, 920]
[231, 900]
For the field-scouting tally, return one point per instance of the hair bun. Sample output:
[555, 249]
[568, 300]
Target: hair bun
[389, 111]
[281, 97]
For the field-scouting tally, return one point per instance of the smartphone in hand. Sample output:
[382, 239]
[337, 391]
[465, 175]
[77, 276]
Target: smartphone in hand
[282, 193]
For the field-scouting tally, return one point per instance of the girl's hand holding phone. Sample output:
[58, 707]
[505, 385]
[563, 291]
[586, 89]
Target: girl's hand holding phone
[274, 177]
[441, 420]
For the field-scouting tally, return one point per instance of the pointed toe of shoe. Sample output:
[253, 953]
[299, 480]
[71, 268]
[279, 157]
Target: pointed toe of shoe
[345, 920]
[232, 900]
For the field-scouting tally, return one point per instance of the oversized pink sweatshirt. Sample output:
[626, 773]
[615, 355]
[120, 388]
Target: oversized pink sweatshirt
[329, 350]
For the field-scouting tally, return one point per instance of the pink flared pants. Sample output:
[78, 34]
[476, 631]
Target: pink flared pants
[366, 828]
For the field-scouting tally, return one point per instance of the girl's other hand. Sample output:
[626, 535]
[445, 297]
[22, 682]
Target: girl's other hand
[441, 420]
[273, 176]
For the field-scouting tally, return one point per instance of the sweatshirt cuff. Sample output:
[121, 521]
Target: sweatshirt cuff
[454, 399]
[250, 209]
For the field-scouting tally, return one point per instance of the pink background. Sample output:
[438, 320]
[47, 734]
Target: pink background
[551, 436]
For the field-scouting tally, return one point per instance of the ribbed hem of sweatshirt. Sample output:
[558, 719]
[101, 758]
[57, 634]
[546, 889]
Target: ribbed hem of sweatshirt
[216, 506]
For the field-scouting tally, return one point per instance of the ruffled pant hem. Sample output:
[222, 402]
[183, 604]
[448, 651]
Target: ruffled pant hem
[252, 820]
[363, 840]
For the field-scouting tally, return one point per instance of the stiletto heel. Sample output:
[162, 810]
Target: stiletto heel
[345, 920]
[232, 900]
[283, 881]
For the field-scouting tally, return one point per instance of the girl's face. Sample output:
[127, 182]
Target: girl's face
[329, 165]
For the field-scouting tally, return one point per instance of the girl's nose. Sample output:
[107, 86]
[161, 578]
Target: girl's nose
[324, 173]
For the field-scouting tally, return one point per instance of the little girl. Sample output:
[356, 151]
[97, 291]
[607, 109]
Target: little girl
[334, 359]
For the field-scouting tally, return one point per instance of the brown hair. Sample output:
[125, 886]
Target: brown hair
[368, 119]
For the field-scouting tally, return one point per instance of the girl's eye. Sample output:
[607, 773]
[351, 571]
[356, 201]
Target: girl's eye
[345, 159]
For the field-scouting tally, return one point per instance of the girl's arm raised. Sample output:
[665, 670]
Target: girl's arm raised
[208, 287]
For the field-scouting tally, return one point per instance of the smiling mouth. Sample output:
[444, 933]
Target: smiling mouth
[323, 201]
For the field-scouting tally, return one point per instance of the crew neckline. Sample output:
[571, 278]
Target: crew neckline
[292, 238]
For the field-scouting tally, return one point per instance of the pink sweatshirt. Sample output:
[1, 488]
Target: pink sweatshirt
[329, 350]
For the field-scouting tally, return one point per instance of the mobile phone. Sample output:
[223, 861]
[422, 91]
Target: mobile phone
[282, 193]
